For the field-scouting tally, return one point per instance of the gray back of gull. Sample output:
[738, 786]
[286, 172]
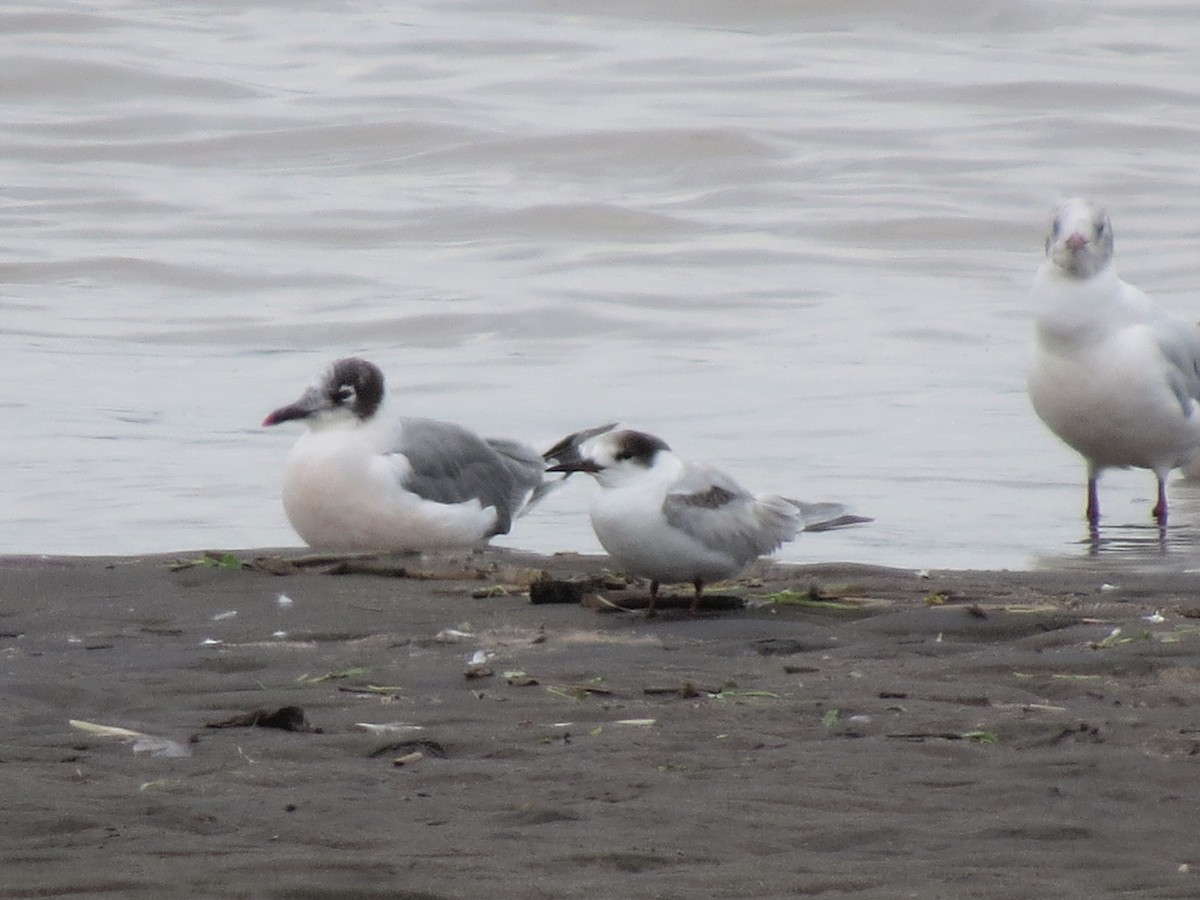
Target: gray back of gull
[450, 464]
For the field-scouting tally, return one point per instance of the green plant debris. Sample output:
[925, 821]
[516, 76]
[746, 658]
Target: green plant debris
[981, 737]
[935, 599]
[570, 693]
[830, 718]
[791, 595]
[1115, 638]
[1178, 635]
[160, 784]
[208, 561]
[374, 689]
[353, 672]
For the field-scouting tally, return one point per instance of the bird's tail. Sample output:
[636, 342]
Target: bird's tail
[825, 516]
[566, 450]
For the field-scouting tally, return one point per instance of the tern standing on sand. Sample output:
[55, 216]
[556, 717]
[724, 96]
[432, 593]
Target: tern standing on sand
[672, 521]
[1114, 376]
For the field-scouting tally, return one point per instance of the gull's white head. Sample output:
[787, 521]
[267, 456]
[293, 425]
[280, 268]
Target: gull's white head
[349, 391]
[618, 457]
[1080, 239]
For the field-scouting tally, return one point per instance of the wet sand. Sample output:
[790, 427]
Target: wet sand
[884, 734]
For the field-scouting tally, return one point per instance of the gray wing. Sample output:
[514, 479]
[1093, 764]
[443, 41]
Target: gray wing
[1179, 343]
[450, 464]
[721, 514]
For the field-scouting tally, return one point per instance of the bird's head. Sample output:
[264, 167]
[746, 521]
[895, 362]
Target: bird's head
[1080, 238]
[616, 457]
[350, 390]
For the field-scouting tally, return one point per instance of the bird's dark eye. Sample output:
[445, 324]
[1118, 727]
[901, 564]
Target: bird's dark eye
[1056, 228]
[1101, 227]
[623, 455]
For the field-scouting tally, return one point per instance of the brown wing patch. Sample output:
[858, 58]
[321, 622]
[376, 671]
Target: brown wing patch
[714, 498]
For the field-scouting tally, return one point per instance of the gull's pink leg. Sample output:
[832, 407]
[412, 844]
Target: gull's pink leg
[1160, 508]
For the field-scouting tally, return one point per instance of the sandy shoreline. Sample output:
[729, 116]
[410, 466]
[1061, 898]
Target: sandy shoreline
[964, 734]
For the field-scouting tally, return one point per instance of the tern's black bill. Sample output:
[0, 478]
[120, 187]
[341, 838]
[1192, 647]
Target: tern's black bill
[576, 465]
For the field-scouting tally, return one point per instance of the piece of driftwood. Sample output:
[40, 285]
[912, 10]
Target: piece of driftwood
[286, 718]
[572, 590]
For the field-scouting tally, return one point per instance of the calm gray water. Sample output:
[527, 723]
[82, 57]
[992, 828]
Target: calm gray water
[794, 239]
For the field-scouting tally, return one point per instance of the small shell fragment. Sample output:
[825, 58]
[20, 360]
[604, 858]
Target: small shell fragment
[387, 727]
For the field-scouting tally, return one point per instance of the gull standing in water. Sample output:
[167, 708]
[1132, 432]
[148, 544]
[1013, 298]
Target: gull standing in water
[1114, 375]
[672, 521]
[362, 479]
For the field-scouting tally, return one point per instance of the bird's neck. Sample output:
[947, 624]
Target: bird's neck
[335, 420]
[665, 471]
[1074, 311]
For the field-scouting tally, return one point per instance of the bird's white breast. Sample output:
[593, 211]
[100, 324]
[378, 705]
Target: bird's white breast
[1102, 386]
[629, 523]
[341, 492]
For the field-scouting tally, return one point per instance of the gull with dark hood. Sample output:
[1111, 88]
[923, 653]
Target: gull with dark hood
[361, 478]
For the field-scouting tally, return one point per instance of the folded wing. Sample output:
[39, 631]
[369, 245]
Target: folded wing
[447, 463]
[715, 510]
